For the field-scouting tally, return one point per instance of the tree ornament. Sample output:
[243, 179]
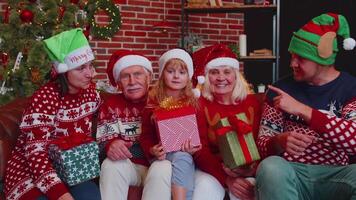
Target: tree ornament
[6, 15]
[3, 89]
[35, 75]
[80, 16]
[74, 1]
[113, 13]
[86, 32]
[26, 16]
[4, 58]
[32, 1]
[62, 9]
[17, 62]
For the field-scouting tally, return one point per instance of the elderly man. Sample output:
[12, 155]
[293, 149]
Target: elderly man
[308, 125]
[119, 129]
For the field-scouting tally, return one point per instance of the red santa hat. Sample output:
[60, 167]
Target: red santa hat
[178, 54]
[212, 57]
[122, 59]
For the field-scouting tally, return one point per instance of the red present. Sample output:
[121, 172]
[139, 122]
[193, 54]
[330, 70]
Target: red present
[176, 126]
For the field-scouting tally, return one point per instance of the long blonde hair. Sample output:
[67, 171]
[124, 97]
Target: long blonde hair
[158, 94]
[239, 93]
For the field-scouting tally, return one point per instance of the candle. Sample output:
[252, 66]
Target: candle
[242, 45]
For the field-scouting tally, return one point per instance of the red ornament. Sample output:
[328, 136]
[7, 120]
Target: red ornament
[4, 58]
[6, 15]
[74, 1]
[86, 32]
[26, 16]
[62, 9]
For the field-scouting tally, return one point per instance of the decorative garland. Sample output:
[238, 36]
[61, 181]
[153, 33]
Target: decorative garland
[114, 19]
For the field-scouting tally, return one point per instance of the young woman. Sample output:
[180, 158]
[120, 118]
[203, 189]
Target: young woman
[174, 86]
[63, 106]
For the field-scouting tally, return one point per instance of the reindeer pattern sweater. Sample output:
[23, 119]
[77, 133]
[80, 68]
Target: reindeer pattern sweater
[120, 119]
[333, 121]
[29, 172]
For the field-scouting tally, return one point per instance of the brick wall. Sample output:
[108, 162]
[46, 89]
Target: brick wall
[136, 33]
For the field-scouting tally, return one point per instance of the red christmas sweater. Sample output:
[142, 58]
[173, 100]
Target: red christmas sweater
[208, 159]
[120, 119]
[332, 121]
[29, 172]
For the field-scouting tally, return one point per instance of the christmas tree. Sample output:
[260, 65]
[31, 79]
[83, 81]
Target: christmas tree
[24, 65]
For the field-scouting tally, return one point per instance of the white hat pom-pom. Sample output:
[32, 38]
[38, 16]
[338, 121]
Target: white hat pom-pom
[349, 44]
[201, 79]
[196, 92]
[61, 68]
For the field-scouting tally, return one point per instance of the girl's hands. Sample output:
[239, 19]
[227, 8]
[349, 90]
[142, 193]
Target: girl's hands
[189, 148]
[158, 151]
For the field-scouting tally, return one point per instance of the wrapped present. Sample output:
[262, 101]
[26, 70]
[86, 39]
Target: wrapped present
[176, 126]
[75, 158]
[236, 143]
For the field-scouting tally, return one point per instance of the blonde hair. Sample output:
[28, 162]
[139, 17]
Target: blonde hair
[158, 93]
[239, 93]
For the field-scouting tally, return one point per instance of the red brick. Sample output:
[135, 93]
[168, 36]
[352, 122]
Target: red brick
[132, 8]
[156, 46]
[154, 10]
[127, 14]
[228, 32]
[146, 40]
[146, 16]
[133, 46]
[218, 26]
[135, 33]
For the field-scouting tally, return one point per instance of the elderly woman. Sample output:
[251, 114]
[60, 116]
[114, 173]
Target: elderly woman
[225, 93]
[63, 106]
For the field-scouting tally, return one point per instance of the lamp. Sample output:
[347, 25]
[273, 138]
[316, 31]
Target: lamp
[164, 26]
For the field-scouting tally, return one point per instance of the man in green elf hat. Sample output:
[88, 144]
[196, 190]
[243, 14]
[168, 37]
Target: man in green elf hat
[62, 107]
[308, 126]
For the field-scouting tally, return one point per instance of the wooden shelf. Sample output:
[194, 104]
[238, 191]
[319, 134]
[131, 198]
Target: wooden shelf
[229, 8]
[257, 58]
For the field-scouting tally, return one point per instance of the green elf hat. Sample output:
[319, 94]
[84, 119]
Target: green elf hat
[316, 40]
[68, 50]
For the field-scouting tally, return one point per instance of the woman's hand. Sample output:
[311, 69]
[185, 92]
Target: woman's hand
[66, 196]
[158, 152]
[243, 171]
[189, 148]
[241, 188]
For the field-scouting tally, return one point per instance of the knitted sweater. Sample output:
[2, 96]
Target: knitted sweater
[149, 136]
[120, 119]
[208, 159]
[333, 121]
[29, 172]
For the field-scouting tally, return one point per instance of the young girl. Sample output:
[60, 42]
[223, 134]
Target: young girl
[174, 85]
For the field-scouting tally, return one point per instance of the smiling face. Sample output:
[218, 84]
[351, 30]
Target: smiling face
[304, 69]
[134, 81]
[80, 77]
[222, 80]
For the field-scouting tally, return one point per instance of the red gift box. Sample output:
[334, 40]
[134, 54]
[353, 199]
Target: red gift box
[176, 126]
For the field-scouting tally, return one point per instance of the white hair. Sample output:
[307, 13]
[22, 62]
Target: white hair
[239, 93]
